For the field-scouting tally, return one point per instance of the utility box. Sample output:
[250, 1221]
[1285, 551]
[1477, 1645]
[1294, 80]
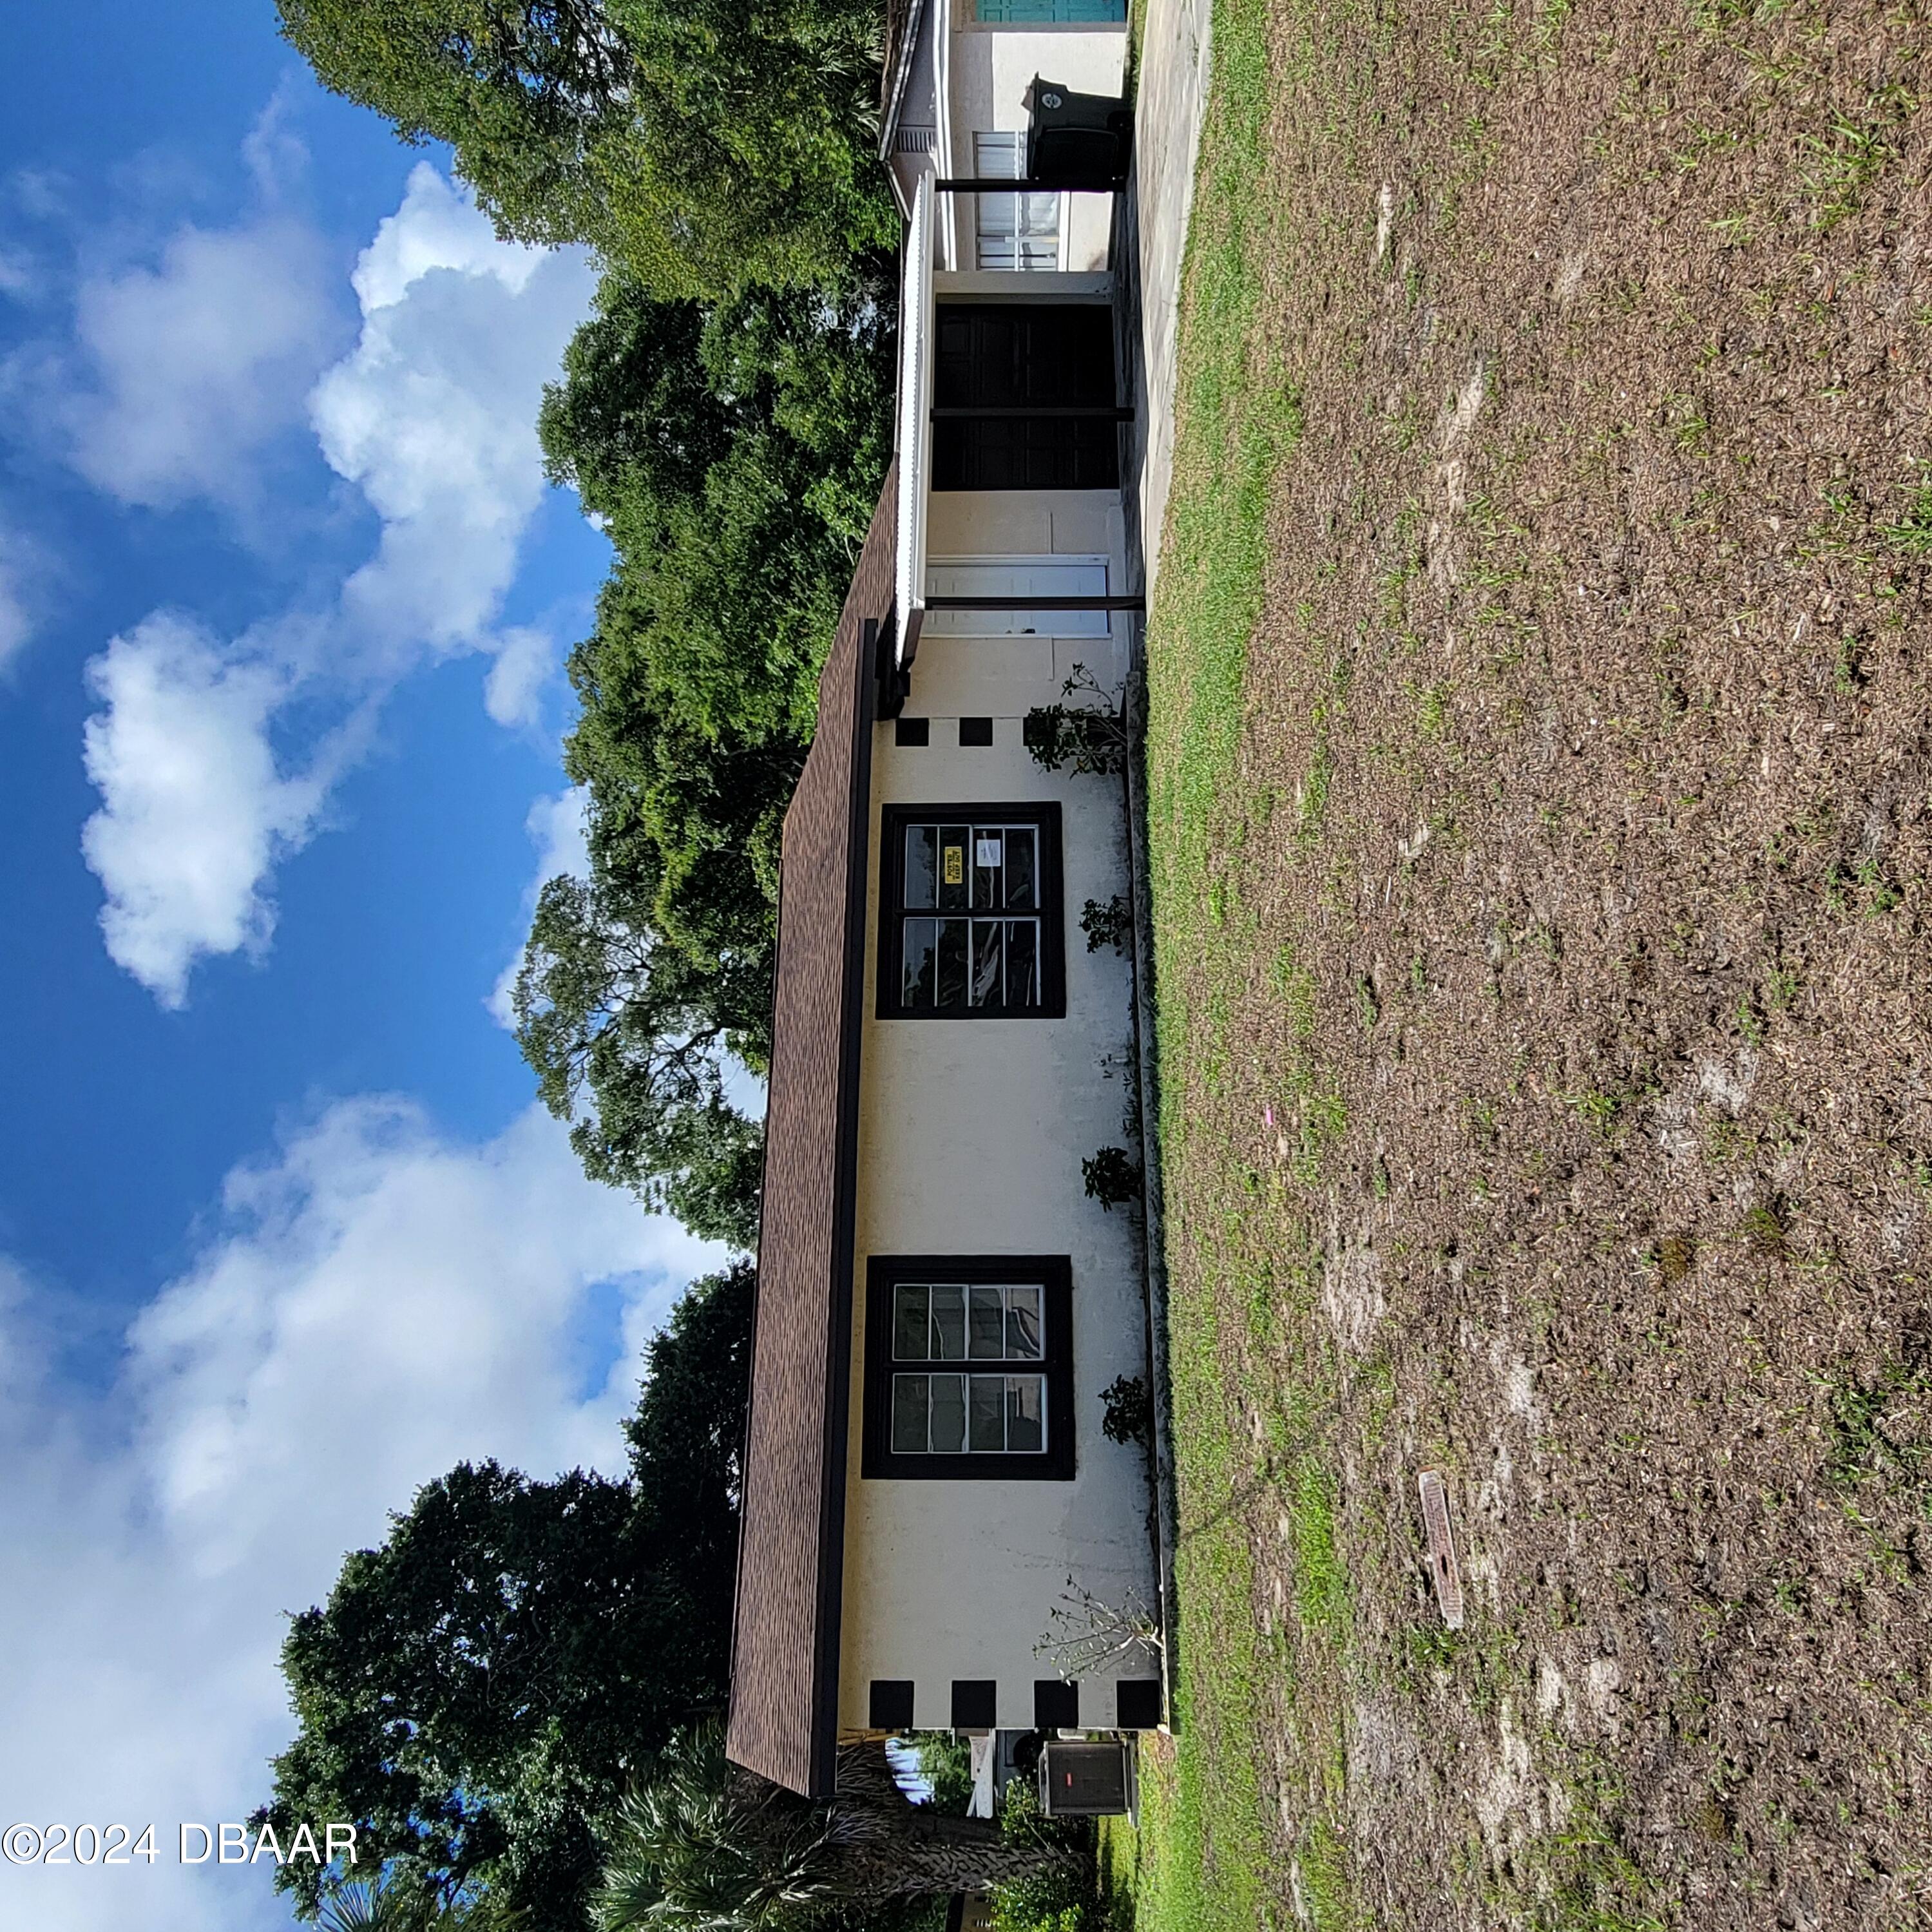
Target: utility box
[1082, 1778]
[1078, 140]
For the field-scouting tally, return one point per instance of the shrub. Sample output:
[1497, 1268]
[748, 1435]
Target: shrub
[1107, 922]
[1112, 1177]
[1061, 1901]
[1091, 736]
[1129, 1410]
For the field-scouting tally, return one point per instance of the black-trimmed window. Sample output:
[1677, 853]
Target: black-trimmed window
[971, 912]
[969, 1366]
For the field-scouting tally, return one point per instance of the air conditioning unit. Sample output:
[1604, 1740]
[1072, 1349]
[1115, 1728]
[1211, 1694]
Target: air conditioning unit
[1082, 1778]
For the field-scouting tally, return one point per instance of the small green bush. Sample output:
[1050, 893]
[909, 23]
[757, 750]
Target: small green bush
[1110, 1176]
[1066, 1901]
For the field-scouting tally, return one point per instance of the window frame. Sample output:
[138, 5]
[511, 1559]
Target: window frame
[999, 153]
[1054, 1273]
[1044, 817]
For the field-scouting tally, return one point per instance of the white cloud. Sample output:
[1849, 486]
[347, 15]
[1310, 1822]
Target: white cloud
[20, 279]
[188, 368]
[193, 809]
[557, 830]
[525, 657]
[377, 1304]
[22, 568]
[437, 227]
[432, 416]
[275, 155]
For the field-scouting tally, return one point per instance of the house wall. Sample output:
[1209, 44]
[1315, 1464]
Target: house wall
[990, 69]
[971, 1134]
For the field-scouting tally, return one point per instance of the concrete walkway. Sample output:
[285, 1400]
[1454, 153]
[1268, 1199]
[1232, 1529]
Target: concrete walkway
[1172, 83]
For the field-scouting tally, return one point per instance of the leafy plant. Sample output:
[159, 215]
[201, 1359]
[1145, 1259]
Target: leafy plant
[1091, 736]
[1065, 1899]
[1112, 1177]
[1107, 922]
[1129, 1410]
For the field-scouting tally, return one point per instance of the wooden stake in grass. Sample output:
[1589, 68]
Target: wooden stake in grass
[1441, 1547]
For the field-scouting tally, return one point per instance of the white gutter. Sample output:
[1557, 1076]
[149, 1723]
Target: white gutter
[915, 422]
[942, 87]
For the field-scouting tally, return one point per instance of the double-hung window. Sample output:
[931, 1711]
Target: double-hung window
[971, 912]
[1013, 231]
[968, 1366]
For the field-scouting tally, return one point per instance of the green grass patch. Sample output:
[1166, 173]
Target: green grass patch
[1209, 1853]
[1239, 419]
[1320, 1581]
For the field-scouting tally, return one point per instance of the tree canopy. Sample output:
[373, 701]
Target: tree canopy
[733, 452]
[479, 1692]
[698, 144]
[725, 416]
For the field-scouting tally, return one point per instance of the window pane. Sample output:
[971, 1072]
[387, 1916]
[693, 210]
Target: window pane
[1022, 876]
[987, 867]
[987, 983]
[986, 1331]
[948, 1414]
[918, 951]
[1022, 962]
[922, 843]
[954, 865]
[909, 1310]
[1023, 1325]
[949, 1325]
[909, 1415]
[989, 1421]
[1026, 1412]
[954, 934]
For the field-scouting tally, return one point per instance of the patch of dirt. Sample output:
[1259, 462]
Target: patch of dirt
[1598, 592]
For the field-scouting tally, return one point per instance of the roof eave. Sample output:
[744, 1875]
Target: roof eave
[902, 57]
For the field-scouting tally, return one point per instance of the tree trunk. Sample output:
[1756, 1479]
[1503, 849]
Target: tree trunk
[927, 1860]
[888, 1847]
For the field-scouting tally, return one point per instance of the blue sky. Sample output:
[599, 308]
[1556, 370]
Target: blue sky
[284, 601]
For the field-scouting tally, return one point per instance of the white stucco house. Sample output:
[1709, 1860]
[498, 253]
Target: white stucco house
[940, 1305]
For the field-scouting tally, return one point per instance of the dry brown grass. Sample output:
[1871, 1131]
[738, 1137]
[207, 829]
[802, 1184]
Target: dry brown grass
[1547, 1081]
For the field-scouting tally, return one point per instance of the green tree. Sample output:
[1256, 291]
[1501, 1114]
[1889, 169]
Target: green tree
[477, 1692]
[378, 1905]
[532, 94]
[701, 1846]
[733, 452]
[700, 143]
[628, 1035]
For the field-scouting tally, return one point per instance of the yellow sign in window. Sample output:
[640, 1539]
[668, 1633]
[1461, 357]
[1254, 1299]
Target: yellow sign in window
[956, 865]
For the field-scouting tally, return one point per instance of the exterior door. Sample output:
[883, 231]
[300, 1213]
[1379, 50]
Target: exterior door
[998, 364]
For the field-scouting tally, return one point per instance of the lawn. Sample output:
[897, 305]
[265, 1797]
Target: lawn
[1538, 746]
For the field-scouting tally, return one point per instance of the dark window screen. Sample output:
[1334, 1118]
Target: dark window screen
[1023, 356]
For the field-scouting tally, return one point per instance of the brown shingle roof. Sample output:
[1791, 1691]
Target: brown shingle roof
[784, 1652]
